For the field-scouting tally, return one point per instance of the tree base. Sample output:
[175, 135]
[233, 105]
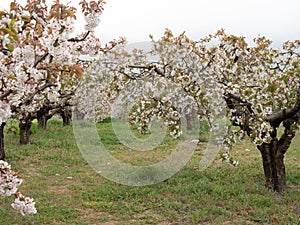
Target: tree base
[25, 132]
[273, 164]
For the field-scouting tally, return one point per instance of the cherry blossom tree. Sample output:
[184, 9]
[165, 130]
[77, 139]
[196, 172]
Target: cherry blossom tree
[258, 87]
[261, 88]
[40, 59]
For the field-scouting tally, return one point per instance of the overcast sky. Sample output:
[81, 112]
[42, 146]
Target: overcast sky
[135, 19]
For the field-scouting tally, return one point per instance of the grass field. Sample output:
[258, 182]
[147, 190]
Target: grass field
[68, 191]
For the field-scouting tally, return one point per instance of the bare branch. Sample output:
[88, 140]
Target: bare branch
[79, 39]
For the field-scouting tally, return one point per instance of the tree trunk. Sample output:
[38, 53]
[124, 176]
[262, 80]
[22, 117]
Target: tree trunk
[42, 117]
[273, 164]
[2, 150]
[25, 131]
[66, 115]
[42, 122]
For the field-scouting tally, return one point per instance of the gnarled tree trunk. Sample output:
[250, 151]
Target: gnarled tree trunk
[274, 151]
[25, 126]
[273, 164]
[273, 157]
[42, 120]
[43, 115]
[2, 150]
[66, 115]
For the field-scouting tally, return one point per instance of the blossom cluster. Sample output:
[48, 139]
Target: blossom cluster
[92, 13]
[24, 205]
[9, 180]
[9, 183]
[5, 112]
[226, 158]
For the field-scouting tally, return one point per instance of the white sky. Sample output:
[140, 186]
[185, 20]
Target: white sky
[278, 20]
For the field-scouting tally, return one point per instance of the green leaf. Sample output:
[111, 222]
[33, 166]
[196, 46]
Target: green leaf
[12, 22]
[10, 47]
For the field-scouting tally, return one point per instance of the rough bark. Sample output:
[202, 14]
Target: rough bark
[273, 156]
[273, 164]
[25, 126]
[2, 150]
[42, 120]
[45, 114]
[66, 115]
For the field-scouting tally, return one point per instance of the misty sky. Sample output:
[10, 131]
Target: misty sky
[135, 19]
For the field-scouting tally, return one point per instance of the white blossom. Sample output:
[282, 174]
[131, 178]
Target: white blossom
[5, 112]
[92, 21]
[9, 180]
[24, 205]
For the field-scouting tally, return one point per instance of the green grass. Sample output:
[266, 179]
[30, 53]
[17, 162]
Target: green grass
[68, 191]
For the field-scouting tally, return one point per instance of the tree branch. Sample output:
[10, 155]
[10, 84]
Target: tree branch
[277, 117]
[79, 39]
[40, 60]
[288, 135]
[240, 112]
[5, 94]
[240, 100]
[156, 70]
[28, 99]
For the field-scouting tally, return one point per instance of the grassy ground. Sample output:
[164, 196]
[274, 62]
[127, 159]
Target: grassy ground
[68, 191]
